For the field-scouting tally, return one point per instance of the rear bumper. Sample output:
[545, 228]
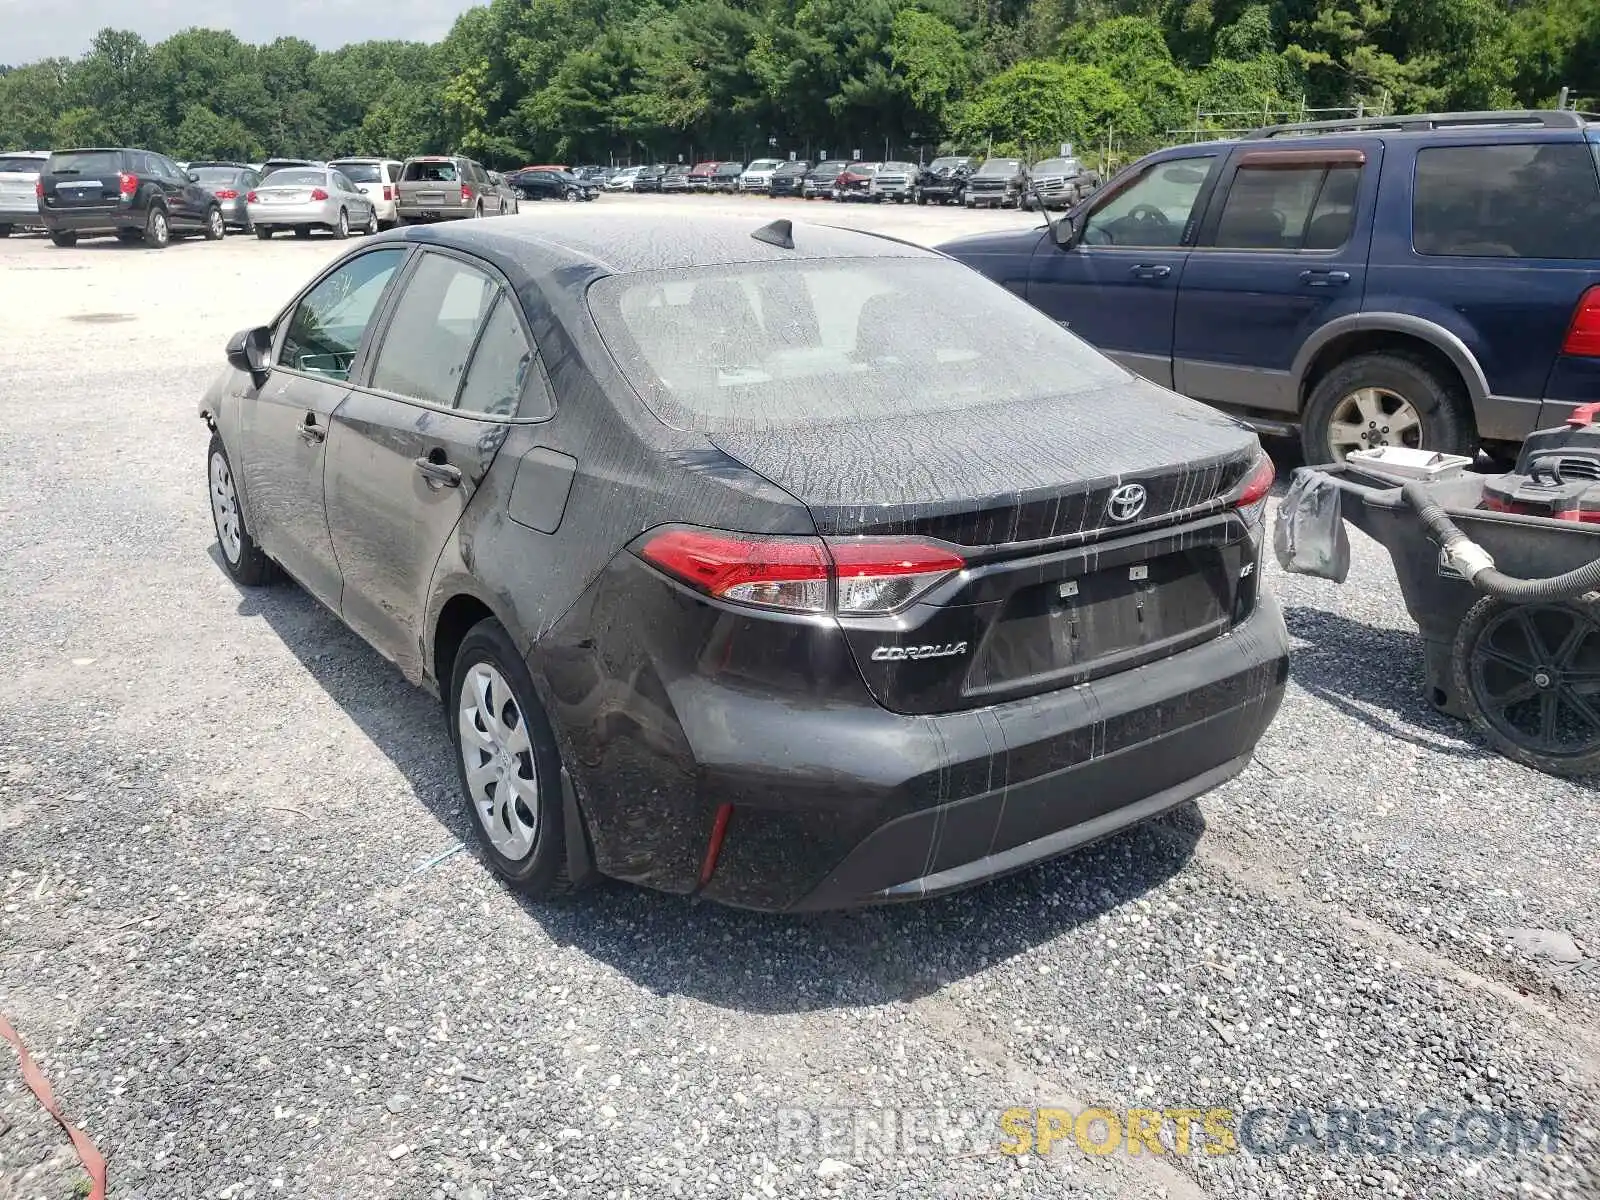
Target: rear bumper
[20, 214]
[445, 212]
[318, 212]
[100, 219]
[689, 707]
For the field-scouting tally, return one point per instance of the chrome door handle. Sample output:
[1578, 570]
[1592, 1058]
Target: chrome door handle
[439, 472]
[311, 432]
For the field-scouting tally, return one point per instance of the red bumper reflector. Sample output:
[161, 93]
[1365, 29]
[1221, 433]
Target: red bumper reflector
[719, 830]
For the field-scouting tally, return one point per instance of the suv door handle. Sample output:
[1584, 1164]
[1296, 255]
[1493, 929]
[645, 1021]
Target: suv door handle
[311, 432]
[436, 470]
[1150, 271]
[1323, 278]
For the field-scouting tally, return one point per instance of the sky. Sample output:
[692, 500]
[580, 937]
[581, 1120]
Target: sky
[33, 29]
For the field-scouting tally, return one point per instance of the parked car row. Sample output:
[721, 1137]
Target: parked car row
[141, 196]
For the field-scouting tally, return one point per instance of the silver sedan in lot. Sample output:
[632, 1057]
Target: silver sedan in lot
[307, 198]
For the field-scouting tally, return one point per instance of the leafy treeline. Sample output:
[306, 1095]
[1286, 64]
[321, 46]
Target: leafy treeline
[523, 80]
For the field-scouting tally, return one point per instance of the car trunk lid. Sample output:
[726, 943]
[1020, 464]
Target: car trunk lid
[1067, 577]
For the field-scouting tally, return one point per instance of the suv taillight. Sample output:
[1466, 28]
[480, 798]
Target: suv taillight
[127, 184]
[388, 192]
[848, 576]
[1583, 335]
[466, 194]
[38, 188]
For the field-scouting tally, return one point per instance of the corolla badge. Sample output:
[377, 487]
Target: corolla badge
[1126, 502]
[901, 653]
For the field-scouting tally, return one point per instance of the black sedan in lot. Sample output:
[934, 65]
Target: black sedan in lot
[540, 184]
[714, 601]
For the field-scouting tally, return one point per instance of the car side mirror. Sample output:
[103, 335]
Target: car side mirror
[250, 350]
[1068, 231]
[194, 176]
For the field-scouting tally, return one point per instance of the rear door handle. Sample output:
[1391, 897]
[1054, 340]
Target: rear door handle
[1321, 278]
[438, 471]
[1150, 271]
[311, 431]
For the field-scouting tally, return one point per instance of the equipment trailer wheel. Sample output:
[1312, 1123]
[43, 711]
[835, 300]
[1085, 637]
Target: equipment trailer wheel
[1529, 677]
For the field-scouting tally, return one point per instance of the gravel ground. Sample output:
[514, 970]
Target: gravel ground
[228, 935]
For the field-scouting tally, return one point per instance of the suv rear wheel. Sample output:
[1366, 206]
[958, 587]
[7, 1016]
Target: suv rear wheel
[64, 239]
[157, 233]
[1386, 399]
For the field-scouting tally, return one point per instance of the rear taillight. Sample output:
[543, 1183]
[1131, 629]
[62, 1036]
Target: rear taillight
[250, 198]
[1583, 335]
[466, 195]
[852, 576]
[38, 188]
[388, 192]
[127, 184]
[318, 194]
[1253, 492]
[227, 194]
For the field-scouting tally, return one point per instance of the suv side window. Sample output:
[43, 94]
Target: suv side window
[1527, 200]
[328, 323]
[435, 324]
[1154, 210]
[1289, 205]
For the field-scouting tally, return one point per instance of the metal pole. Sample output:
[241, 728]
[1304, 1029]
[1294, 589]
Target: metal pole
[1561, 100]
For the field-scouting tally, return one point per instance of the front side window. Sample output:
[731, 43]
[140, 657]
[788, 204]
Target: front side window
[1152, 211]
[328, 323]
[424, 353]
[758, 346]
[1304, 206]
[1527, 200]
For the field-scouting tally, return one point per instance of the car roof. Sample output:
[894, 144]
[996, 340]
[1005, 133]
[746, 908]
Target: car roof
[617, 243]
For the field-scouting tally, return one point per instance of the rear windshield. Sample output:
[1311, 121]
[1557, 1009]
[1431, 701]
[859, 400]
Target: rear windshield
[218, 174]
[23, 166]
[431, 172]
[298, 175]
[361, 172]
[86, 162]
[777, 345]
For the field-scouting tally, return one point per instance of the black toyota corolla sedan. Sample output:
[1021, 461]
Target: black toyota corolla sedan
[788, 565]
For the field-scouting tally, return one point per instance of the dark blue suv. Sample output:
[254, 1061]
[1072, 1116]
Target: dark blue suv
[1423, 280]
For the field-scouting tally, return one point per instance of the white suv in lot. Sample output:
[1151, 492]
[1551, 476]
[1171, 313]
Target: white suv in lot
[624, 180]
[19, 179]
[378, 179]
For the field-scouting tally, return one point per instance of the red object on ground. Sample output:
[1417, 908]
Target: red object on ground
[40, 1087]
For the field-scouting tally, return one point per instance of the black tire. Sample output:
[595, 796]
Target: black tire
[157, 229]
[302, 231]
[5, 231]
[541, 871]
[64, 239]
[1492, 637]
[371, 227]
[216, 227]
[263, 232]
[245, 562]
[1446, 422]
[341, 227]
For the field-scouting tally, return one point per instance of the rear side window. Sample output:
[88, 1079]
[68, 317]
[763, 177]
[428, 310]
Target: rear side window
[1278, 207]
[21, 166]
[327, 326]
[436, 320]
[499, 365]
[1507, 201]
[86, 162]
[759, 346]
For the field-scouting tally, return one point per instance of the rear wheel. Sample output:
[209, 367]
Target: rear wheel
[507, 761]
[216, 229]
[341, 227]
[64, 239]
[263, 232]
[244, 561]
[157, 232]
[302, 231]
[371, 226]
[1386, 399]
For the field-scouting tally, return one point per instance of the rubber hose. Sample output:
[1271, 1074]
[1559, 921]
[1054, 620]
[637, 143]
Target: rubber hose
[1474, 562]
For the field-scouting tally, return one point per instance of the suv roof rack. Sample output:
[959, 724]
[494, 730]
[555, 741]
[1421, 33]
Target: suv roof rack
[1562, 118]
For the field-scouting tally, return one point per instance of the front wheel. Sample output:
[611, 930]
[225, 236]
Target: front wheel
[1528, 676]
[507, 761]
[216, 229]
[341, 227]
[244, 561]
[64, 239]
[1387, 399]
[570, 196]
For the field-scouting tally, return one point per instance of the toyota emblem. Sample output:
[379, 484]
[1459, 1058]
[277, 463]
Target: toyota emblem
[1126, 502]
